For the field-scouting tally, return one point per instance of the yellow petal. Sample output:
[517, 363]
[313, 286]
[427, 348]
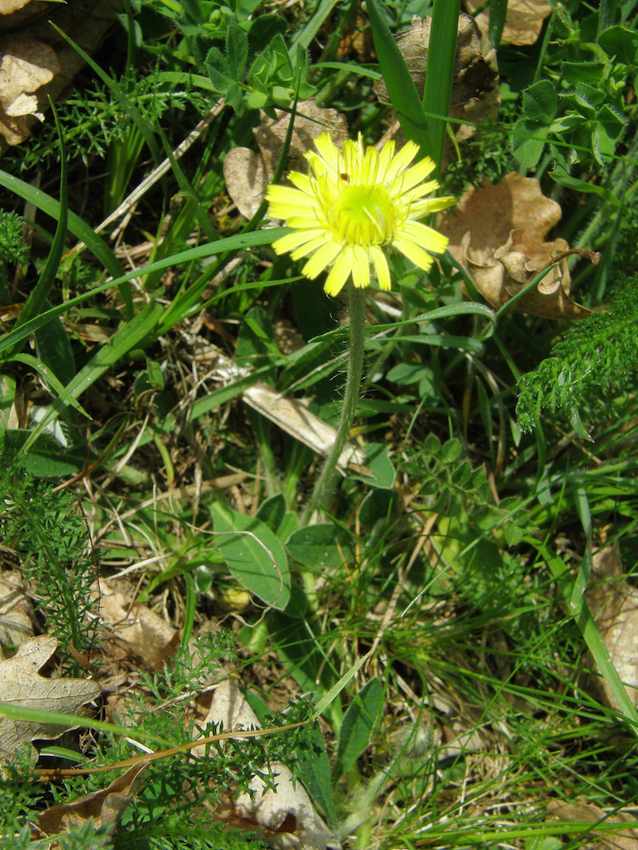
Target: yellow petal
[291, 212]
[401, 161]
[360, 267]
[421, 208]
[328, 151]
[291, 241]
[287, 195]
[321, 259]
[381, 267]
[339, 273]
[425, 236]
[309, 247]
[302, 222]
[385, 158]
[416, 174]
[418, 192]
[414, 253]
[302, 182]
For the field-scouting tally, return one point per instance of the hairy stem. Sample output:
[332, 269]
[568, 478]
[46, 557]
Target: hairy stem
[325, 483]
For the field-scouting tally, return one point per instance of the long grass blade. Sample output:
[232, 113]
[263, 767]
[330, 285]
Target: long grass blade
[440, 74]
[401, 89]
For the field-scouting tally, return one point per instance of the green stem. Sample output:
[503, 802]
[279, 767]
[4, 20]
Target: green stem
[325, 483]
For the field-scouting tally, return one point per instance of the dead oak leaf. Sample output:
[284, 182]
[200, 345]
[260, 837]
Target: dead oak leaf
[248, 172]
[133, 629]
[22, 685]
[26, 65]
[523, 21]
[583, 810]
[104, 807]
[286, 812]
[16, 624]
[497, 233]
[475, 95]
[613, 603]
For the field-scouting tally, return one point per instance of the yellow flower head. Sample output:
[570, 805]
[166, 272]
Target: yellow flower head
[354, 204]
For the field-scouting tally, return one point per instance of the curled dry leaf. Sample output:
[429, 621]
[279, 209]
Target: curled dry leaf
[523, 22]
[40, 63]
[22, 685]
[102, 807]
[497, 233]
[247, 173]
[133, 629]
[583, 811]
[613, 603]
[287, 812]
[475, 86]
[25, 66]
[16, 623]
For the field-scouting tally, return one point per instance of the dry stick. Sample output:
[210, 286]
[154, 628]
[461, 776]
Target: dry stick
[56, 773]
[157, 174]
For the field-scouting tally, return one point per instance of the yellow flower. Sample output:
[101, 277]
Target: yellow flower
[355, 203]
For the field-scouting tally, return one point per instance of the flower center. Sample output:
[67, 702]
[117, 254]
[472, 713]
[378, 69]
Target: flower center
[364, 215]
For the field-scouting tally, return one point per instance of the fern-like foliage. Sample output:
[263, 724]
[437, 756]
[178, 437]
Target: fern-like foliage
[51, 540]
[595, 361]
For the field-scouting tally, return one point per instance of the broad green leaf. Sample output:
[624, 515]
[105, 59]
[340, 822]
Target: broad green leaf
[381, 471]
[359, 721]
[318, 547]
[236, 51]
[540, 102]
[621, 43]
[253, 554]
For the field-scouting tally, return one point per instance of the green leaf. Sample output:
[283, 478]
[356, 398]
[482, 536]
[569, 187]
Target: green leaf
[318, 547]
[528, 141]
[382, 473]
[272, 66]
[253, 554]
[236, 51]
[620, 43]
[540, 102]
[560, 176]
[359, 721]
[315, 773]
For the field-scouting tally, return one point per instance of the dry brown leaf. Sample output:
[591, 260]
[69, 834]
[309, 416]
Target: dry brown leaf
[134, 629]
[247, 173]
[583, 810]
[613, 603]
[475, 86]
[246, 179]
[16, 623]
[523, 22]
[40, 63]
[497, 233]
[25, 66]
[286, 812]
[22, 685]
[103, 807]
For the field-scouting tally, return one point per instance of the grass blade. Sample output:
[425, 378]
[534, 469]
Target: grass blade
[403, 93]
[440, 73]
